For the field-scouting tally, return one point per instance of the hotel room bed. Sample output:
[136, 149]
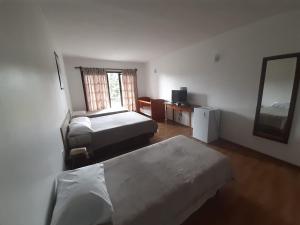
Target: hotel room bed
[112, 129]
[274, 116]
[161, 184]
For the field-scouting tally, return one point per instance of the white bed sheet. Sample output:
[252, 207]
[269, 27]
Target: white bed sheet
[114, 128]
[116, 120]
[163, 184]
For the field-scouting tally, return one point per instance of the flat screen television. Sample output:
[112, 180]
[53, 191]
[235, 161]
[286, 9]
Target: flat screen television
[179, 96]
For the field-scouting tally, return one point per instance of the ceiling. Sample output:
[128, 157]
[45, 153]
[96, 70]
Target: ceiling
[140, 30]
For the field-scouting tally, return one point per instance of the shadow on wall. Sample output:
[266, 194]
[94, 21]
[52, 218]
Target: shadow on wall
[52, 204]
[232, 123]
[239, 129]
[197, 98]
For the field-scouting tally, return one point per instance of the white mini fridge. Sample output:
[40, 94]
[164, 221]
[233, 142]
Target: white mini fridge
[206, 124]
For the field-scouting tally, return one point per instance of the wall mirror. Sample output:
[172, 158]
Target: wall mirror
[277, 97]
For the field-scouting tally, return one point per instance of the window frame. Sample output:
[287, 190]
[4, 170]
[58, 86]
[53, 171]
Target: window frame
[120, 85]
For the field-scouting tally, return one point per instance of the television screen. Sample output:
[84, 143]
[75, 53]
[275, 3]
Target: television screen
[182, 96]
[179, 96]
[175, 96]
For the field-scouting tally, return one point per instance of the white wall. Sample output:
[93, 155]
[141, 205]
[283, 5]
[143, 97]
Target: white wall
[32, 109]
[74, 77]
[232, 83]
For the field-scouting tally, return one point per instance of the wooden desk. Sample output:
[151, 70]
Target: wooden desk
[175, 108]
[157, 109]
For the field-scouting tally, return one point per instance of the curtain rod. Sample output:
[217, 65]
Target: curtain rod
[112, 69]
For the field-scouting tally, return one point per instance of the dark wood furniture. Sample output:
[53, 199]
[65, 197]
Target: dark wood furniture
[121, 148]
[176, 108]
[79, 157]
[156, 106]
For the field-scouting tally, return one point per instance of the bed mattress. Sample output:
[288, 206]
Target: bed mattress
[115, 128]
[273, 117]
[163, 184]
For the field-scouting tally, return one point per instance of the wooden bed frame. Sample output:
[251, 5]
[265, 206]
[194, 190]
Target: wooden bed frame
[121, 148]
[64, 130]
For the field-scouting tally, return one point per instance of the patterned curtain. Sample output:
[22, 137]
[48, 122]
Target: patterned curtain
[129, 89]
[96, 88]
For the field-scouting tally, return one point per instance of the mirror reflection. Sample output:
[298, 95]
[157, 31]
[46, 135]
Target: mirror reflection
[277, 97]
[277, 93]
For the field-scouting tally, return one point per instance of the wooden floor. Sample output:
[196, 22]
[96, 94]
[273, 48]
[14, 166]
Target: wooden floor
[265, 191]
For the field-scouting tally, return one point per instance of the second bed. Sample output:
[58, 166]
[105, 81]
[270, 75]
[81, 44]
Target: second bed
[113, 129]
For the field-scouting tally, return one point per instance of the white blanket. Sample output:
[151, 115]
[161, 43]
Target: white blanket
[163, 184]
[112, 129]
[116, 120]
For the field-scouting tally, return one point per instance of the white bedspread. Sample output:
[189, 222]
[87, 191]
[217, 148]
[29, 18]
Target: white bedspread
[163, 184]
[116, 120]
[112, 129]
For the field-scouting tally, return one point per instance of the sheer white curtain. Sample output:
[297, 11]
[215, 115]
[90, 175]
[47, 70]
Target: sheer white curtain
[96, 88]
[129, 89]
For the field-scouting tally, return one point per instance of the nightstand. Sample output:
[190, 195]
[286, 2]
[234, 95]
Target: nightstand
[79, 157]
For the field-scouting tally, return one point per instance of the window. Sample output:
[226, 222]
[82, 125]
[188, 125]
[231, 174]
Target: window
[109, 88]
[114, 86]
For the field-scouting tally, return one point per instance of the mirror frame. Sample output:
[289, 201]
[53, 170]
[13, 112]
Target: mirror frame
[286, 133]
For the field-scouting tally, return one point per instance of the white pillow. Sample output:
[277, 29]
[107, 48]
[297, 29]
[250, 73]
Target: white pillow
[82, 198]
[82, 120]
[278, 105]
[79, 129]
[80, 126]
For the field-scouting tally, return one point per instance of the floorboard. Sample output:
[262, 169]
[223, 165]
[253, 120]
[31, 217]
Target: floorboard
[265, 191]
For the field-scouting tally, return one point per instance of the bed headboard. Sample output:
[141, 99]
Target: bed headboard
[64, 130]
